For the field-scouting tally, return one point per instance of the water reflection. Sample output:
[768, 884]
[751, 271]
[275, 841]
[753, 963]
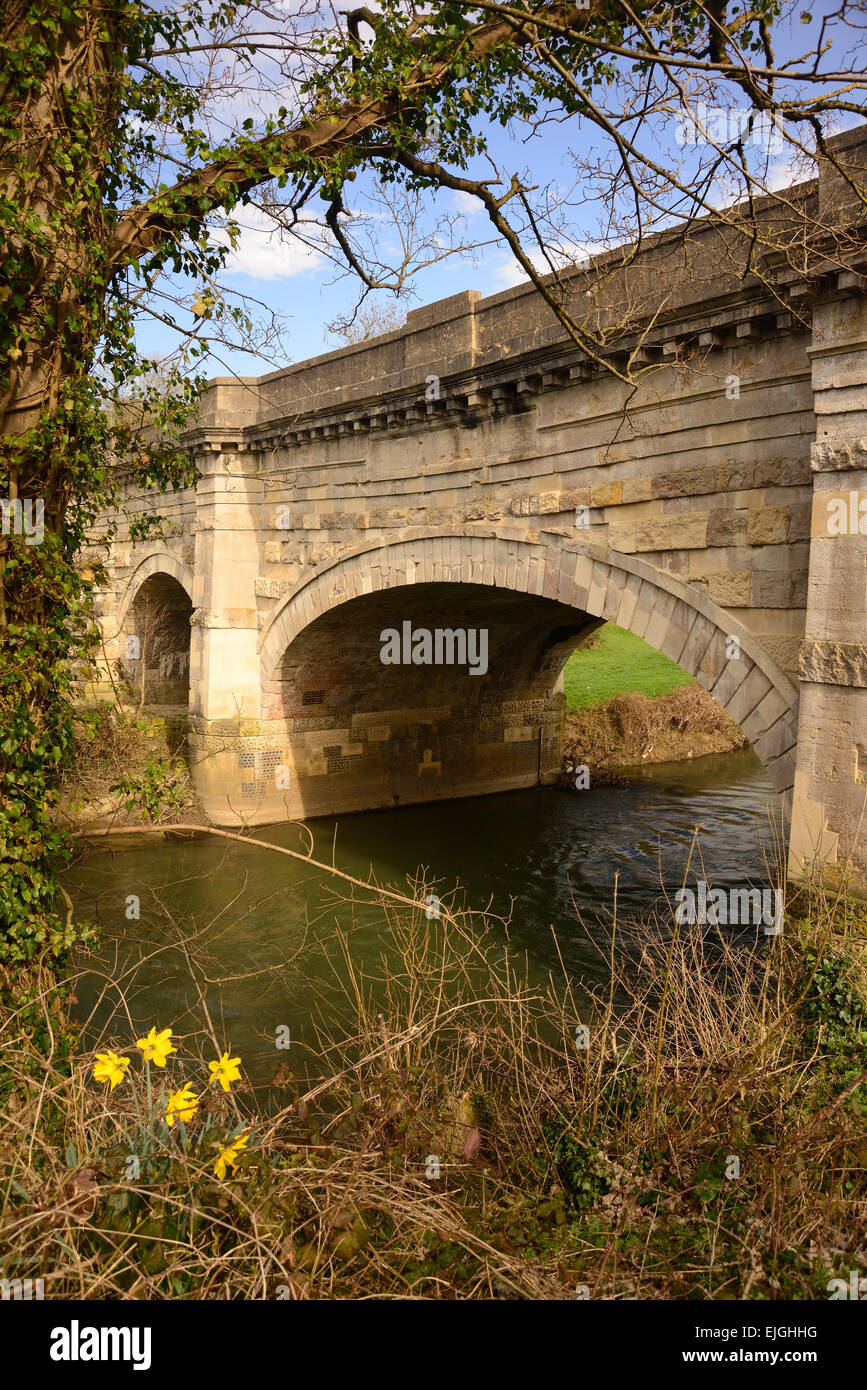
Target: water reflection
[539, 858]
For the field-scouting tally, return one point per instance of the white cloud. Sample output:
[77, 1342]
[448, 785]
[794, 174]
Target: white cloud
[466, 204]
[263, 251]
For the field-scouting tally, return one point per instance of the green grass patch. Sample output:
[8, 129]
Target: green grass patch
[620, 664]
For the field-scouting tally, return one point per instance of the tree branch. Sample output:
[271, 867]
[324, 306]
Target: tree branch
[145, 227]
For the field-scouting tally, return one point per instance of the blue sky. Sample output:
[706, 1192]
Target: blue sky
[302, 287]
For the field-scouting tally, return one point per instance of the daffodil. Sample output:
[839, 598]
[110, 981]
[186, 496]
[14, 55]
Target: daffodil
[182, 1105]
[156, 1046]
[110, 1067]
[225, 1071]
[228, 1158]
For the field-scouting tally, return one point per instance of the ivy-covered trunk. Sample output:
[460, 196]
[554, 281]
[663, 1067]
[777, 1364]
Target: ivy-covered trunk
[59, 97]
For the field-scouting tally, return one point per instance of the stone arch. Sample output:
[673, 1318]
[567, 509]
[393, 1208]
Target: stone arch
[155, 615]
[158, 562]
[682, 624]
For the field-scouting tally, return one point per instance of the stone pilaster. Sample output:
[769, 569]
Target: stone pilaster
[224, 666]
[829, 814]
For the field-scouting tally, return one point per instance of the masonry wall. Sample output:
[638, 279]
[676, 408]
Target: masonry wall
[477, 416]
[342, 730]
[713, 489]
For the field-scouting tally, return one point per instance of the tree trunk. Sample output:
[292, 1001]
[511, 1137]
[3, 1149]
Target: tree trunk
[59, 102]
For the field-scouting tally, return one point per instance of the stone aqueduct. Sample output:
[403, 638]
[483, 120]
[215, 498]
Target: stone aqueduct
[476, 470]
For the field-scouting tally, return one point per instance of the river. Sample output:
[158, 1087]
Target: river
[265, 931]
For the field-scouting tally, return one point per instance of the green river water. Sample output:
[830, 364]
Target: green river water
[274, 940]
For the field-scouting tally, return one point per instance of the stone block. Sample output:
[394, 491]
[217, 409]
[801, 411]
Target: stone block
[768, 525]
[657, 628]
[636, 489]
[606, 494]
[628, 601]
[782, 648]
[622, 536]
[775, 741]
[735, 673]
[779, 590]
[598, 588]
[727, 526]
[748, 696]
[653, 533]
[799, 521]
[730, 590]
[705, 653]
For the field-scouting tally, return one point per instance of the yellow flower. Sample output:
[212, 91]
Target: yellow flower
[225, 1071]
[157, 1046]
[182, 1105]
[229, 1156]
[110, 1067]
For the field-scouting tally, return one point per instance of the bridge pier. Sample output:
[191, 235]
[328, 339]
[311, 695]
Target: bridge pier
[224, 674]
[829, 813]
[225, 689]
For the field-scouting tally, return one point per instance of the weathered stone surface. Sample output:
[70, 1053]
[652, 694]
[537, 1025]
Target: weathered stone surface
[834, 663]
[730, 590]
[776, 741]
[686, 531]
[784, 650]
[799, 522]
[779, 590]
[691, 509]
[838, 457]
[767, 525]
[606, 494]
[726, 526]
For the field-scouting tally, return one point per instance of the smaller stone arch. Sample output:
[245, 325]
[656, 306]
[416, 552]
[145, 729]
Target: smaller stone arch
[158, 562]
[153, 631]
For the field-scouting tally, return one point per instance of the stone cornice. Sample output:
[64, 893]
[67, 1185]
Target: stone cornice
[496, 384]
[507, 386]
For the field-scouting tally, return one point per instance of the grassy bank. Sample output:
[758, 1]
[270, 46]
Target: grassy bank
[628, 705]
[617, 663]
[561, 1170]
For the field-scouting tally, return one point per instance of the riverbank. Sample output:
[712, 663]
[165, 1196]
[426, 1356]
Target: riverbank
[627, 705]
[129, 768]
[634, 730]
[686, 1125]
[701, 1140]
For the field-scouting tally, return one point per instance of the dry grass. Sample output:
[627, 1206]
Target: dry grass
[127, 767]
[558, 1167]
[634, 729]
